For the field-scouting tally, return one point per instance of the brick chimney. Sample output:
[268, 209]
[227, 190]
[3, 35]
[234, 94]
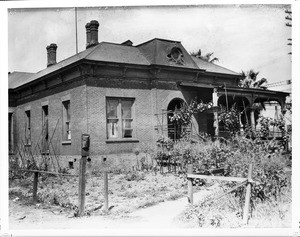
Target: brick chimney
[88, 34]
[51, 54]
[93, 28]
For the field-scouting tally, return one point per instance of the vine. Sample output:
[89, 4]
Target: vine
[183, 116]
[230, 120]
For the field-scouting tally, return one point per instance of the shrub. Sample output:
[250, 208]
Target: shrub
[230, 120]
[268, 169]
[135, 176]
[234, 156]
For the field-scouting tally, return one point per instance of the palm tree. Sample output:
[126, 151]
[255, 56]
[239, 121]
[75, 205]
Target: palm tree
[207, 57]
[250, 80]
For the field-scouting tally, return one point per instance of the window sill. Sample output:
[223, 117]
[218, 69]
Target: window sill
[131, 140]
[66, 142]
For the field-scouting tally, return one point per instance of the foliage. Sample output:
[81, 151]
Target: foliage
[226, 213]
[135, 176]
[165, 143]
[207, 57]
[268, 169]
[250, 80]
[234, 156]
[127, 192]
[266, 123]
[230, 120]
[183, 116]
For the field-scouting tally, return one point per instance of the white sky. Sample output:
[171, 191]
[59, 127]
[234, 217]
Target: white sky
[242, 37]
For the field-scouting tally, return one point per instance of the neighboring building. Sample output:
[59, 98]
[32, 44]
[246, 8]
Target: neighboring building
[120, 95]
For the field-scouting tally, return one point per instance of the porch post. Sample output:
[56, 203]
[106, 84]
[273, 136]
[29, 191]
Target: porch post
[215, 98]
[241, 124]
[252, 119]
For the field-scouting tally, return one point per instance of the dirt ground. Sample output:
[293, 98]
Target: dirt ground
[162, 215]
[136, 201]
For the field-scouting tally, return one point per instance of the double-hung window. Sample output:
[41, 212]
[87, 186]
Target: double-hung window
[66, 121]
[45, 131]
[27, 128]
[119, 118]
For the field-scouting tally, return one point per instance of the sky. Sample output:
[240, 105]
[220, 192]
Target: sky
[243, 37]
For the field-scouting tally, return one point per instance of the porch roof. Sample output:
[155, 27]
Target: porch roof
[251, 93]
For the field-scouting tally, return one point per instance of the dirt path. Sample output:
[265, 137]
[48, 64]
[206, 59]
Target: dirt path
[165, 214]
[162, 215]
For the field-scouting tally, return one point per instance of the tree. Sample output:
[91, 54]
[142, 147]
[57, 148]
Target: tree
[250, 80]
[207, 57]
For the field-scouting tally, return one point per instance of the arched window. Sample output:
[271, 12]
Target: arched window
[174, 129]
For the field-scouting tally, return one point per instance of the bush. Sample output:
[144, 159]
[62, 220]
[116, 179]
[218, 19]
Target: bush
[268, 169]
[135, 176]
[226, 212]
[235, 156]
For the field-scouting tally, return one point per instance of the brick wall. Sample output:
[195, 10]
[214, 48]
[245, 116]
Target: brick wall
[88, 115]
[55, 107]
[143, 116]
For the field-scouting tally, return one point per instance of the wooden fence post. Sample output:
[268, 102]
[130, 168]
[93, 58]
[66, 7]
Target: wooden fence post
[248, 195]
[81, 198]
[35, 186]
[190, 185]
[105, 191]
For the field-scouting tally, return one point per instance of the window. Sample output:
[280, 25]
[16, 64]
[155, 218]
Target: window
[27, 128]
[10, 133]
[45, 131]
[119, 118]
[66, 121]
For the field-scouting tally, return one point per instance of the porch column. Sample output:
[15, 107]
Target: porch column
[252, 119]
[241, 124]
[215, 98]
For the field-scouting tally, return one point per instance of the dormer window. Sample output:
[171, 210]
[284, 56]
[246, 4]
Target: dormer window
[176, 56]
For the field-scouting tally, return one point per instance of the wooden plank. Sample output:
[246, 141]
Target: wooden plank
[248, 195]
[230, 190]
[190, 185]
[46, 172]
[105, 191]
[35, 186]
[81, 189]
[234, 179]
[212, 171]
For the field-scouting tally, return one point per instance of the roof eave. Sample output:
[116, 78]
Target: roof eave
[255, 90]
[224, 74]
[51, 74]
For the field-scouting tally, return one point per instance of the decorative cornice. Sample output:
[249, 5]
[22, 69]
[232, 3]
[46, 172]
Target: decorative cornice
[124, 72]
[154, 72]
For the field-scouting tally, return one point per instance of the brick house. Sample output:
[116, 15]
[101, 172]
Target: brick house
[120, 95]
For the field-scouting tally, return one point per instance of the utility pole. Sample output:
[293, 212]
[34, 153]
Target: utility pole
[76, 38]
[289, 24]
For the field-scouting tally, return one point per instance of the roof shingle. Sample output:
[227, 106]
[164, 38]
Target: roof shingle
[16, 79]
[154, 52]
[211, 67]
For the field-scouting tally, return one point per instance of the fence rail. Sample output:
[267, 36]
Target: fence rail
[243, 181]
[81, 184]
[224, 178]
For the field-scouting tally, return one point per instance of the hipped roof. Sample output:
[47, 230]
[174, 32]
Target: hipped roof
[153, 52]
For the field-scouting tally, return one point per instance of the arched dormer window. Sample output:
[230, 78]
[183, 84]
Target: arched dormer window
[176, 56]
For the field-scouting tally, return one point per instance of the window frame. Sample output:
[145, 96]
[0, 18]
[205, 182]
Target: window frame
[66, 122]
[119, 117]
[27, 128]
[10, 132]
[45, 129]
